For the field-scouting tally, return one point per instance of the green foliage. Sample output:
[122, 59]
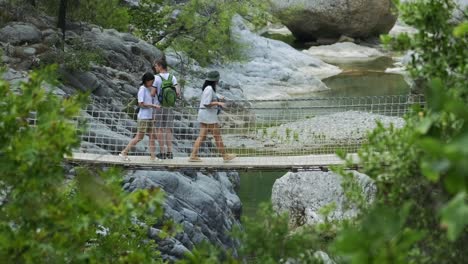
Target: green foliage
[199, 28]
[43, 216]
[380, 238]
[105, 13]
[269, 238]
[2, 64]
[288, 133]
[455, 216]
[424, 163]
[208, 254]
[76, 56]
[438, 53]
[5, 17]
[296, 136]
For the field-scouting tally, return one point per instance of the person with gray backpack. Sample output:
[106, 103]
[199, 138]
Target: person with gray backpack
[165, 93]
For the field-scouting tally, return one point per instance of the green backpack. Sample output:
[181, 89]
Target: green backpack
[168, 96]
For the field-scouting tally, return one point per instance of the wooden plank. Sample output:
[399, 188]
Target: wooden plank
[281, 162]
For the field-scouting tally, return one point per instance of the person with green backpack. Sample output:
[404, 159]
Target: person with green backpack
[165, 93]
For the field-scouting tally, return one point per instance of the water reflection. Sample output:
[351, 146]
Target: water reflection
[364, 83]
[255, 188]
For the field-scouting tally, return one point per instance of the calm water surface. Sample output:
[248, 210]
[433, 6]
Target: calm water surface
[366, 78]
[255, 188]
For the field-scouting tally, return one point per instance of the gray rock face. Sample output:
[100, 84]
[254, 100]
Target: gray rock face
[343, 52]
[303, 194]
[314, 19]
[123, 51]
[345, 129]
[206, 206]
[19, 33]
[271, 69]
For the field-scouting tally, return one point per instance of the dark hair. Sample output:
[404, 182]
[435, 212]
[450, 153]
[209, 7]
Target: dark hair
[147, 77]
[209, 83]
[161, 62]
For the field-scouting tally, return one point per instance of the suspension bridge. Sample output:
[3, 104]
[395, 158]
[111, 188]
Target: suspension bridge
[264, 134]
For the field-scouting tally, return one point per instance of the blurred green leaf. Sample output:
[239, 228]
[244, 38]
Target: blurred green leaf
[461, 30]
[424, 125]
[455, 216]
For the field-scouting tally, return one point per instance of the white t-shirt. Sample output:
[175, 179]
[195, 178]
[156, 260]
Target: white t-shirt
[157, 83]
[208, 115]
[144, 95]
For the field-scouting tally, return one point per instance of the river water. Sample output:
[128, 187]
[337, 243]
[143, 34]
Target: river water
[358, 79]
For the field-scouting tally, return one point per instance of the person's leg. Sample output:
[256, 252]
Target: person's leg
[151, 142]
[200, 139]
[160, 137]
[163, 149]
[159, 133]
[218, 139]
[168, 142]
[219, 143]
[138, 137]
[142, 128]
[169, 125]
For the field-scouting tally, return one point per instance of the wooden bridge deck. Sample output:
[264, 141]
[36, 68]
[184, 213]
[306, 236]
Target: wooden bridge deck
[240, 163]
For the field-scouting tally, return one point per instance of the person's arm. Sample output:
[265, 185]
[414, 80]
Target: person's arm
[141, 100]
[143, 105]
[206, 100]
[176, 85]
[154, 87]
[214, 103]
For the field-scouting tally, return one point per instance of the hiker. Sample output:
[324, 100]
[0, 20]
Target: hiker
[208, 118]
[165, 91]
[145, 117]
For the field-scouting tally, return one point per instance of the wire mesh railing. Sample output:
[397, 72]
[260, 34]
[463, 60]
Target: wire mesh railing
[250, 128]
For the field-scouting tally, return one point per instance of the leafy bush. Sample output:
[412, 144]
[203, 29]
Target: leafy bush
[420, 169]
[76, 56]
[270, 238]
[199, 28]
[105, 13]
[43, 216]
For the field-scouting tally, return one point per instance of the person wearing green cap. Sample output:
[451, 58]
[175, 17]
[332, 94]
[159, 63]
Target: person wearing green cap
[208, 118]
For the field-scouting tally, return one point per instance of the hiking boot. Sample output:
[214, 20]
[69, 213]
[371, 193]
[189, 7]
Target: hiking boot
[161, 156]
[169, 155]
[228, 157]
[194, 159]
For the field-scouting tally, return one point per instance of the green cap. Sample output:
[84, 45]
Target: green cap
[213, 76]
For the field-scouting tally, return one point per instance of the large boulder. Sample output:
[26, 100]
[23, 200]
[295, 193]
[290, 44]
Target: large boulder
[122, 51]
[270, 69]
[303, 194]
[314, 19]
[204, 205]
[19, 33]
